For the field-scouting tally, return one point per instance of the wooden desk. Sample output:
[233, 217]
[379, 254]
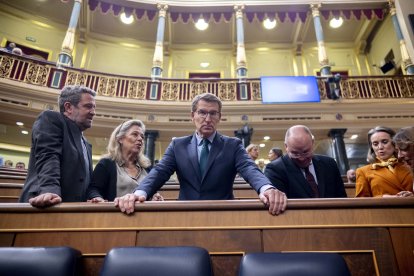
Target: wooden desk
[6, 178]
[10, 192]
[376, 236]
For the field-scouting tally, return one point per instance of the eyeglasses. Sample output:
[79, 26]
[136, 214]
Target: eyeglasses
[299, 155]
[213, 114]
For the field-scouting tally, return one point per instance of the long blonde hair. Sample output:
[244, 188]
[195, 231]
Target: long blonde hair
[114, 147]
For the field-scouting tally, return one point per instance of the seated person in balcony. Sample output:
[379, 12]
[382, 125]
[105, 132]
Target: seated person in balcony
[302, 174]
[20, 165]
[351, 176]
[8, 164]
[404, 143]
[386, 176]
[206, 163]
[123, 167]
[60, 164]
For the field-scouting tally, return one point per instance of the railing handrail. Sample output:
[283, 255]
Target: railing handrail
[45, 73]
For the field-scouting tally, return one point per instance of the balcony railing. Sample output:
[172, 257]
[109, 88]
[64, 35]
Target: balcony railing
[46, 74]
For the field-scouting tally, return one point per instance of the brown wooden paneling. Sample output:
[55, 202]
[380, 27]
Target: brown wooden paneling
[336, 239]
[361, 263]
[6, 239]
[358, 228]
[91, 266]
[12, 178]
[350, 189]
[9, 199]
[87, 242]
[403, 242]
[226, 265]
[219, 241]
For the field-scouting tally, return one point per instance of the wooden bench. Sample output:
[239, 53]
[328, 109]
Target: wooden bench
[374, 235]
[5, 178]
[10, 192]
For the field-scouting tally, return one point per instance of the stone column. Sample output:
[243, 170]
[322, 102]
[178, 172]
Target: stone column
[65, 56]
[241, 64]
[241, 53]
[337, 135]
[322, 56]
[406, 60]
[150, 137]
[158, 59]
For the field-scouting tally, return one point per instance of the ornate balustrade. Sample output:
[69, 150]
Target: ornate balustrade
[46, 74]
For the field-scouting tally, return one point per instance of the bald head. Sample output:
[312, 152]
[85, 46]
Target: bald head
[298, 132]
[299, 145]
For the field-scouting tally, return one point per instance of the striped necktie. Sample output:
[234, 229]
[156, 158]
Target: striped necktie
[312, 182]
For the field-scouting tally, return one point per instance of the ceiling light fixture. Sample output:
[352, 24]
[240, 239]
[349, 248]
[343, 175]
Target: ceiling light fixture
[205, 64]
[201, 24]
[266, 138]
[262, 145]
[269, 24]
[25, 132]
[19, 123]
[353, 137]
[336, 22]
[126, 19]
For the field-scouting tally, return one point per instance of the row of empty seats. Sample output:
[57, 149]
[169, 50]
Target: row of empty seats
[164, 261]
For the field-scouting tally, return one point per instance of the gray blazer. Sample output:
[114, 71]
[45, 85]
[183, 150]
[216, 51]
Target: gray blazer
[56, 162]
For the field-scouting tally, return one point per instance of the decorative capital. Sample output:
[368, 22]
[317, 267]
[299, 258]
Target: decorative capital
[239, 10]
[391, 6]
[315, 9]
[162, 7]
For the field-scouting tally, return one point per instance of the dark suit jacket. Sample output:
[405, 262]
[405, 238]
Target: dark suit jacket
[104, 180]
[56, 162]
[227, 157]
[288, 177]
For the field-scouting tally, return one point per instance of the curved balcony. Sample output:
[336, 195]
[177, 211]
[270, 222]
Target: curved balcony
[46, 74]
[28, 86]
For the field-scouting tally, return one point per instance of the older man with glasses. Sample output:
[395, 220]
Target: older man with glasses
[302, 174]
[206, 163]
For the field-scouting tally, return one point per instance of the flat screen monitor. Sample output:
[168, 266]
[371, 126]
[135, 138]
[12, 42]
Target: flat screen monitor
[289, 90]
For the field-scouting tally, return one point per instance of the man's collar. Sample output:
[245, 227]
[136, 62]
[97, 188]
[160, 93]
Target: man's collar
[211, 138]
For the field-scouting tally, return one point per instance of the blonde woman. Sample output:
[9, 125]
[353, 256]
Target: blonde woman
[121, 170]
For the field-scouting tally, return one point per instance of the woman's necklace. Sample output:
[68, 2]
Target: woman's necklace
[133, 175]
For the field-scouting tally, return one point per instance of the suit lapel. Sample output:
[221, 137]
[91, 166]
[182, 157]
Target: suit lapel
[76, 138]
[388, 177]
[216, 148]
[192, 153]
[319, 178]
[296, 173]
[89, 150]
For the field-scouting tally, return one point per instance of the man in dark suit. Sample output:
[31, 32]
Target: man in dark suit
[300, 173]
[206, 164]
[60, 164]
